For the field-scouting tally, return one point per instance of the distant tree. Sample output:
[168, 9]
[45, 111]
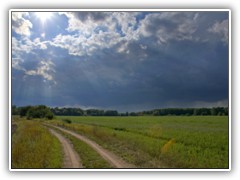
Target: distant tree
[95, 112]
[40, 111]
[156, 112]
[226, 111]
[49, 115]
[195, 112]
[67, 111]
[133, 114]
[111, 113]
[121, 114]
[23, 110]
[15, 110]
[213, 112]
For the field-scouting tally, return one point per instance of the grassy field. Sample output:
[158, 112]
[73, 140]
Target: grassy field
[34, 147]
[159, 142]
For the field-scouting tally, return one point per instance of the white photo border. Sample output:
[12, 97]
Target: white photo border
[124, 10]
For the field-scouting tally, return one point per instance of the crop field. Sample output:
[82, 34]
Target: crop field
[157, 141]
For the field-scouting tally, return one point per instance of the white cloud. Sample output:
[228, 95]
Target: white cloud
[23, 45]
[39, 44]
[96, 31]
[26, 45]
[220, 28]
[127, 23]
[166, 26]
[143, 47]
[21, 25]
[73, 44]
[93, 31]
[79, 45]
[85, 22]
[45, 69]
[123, 47]
[16, 64]
[196, 16]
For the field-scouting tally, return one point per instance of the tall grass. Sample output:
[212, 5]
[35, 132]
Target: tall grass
[34, 147]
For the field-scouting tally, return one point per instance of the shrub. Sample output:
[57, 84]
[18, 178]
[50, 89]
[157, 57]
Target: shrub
[120, 129]
[40, 111]
[49, 115]
[67, 121]
[24, 110]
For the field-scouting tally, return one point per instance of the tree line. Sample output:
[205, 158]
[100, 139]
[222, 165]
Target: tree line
[215, 111]
[80, 112]
[31, 112]
[42, 111]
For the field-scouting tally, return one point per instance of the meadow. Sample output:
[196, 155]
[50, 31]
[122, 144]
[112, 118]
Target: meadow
[34, 147]
[158, 141]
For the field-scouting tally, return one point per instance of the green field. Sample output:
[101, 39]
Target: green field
[158, 141]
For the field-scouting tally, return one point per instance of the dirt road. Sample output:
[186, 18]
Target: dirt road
[107, 155]
[71, 158]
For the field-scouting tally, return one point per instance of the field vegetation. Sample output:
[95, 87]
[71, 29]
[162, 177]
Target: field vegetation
[144, 141]
[34, 147]
[158, 142]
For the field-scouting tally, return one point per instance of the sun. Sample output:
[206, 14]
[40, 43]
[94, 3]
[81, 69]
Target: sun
[43, 16]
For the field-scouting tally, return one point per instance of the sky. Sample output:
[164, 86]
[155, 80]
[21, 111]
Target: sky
[125, 61]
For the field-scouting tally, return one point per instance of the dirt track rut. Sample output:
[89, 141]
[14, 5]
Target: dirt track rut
[71, 158]
[111, 158]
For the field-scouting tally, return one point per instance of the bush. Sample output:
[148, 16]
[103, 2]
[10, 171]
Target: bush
[120, 129]
[49, 115]
[40, 111]
[24, 110]
[67, 121]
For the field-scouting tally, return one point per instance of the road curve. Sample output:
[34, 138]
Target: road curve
[111, 158]
[71, 158]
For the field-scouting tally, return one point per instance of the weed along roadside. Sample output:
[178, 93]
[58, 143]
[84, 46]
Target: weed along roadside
[89, 157]
[71, 158]
[33, 146]
[108, 156]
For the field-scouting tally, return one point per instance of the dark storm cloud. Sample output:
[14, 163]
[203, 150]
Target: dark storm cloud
[167, 26]
[96, 16]
[175, 59]
[191, 77]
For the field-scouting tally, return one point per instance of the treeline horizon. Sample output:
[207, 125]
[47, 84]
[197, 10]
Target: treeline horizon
[57, 111]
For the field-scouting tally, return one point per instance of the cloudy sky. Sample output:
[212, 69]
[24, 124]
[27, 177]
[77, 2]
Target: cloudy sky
[128, 61]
